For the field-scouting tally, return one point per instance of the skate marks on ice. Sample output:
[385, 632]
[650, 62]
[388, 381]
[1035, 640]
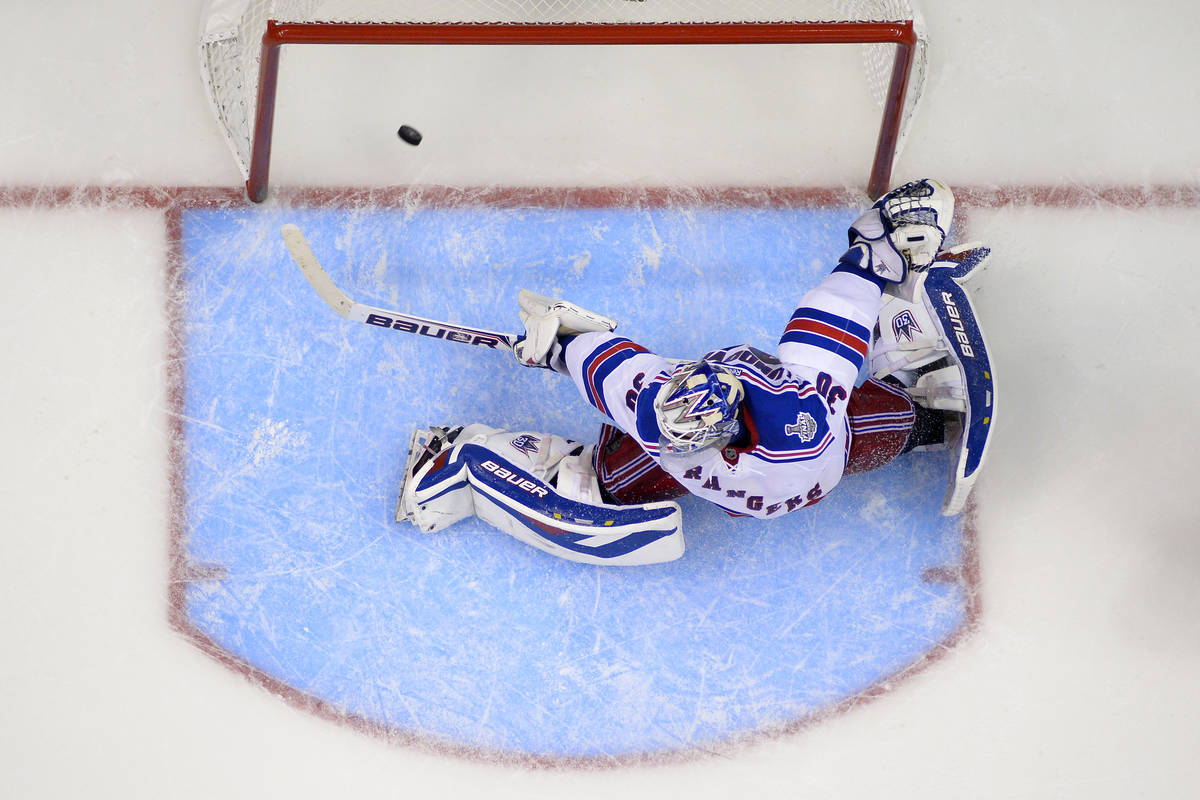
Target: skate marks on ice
[468, 642]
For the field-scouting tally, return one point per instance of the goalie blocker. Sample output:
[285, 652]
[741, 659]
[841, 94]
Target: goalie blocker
[540, 489]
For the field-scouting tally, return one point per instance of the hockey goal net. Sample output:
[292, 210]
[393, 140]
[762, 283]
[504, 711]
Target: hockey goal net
[241, 41]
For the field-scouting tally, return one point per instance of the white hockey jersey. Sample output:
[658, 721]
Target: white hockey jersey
[794, 410]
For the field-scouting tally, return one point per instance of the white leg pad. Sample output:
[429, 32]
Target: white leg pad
[943, 389]
[909, 338]
[434, 512]
[541, 490]
[576, 479]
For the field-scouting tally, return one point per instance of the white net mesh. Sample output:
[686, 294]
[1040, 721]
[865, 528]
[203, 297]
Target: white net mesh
[573, 11]
[231, 35]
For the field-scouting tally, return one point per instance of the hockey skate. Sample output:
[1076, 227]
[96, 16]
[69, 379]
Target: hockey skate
[423, 447]
[934, 345]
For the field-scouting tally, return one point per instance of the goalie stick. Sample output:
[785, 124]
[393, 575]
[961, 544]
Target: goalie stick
[336, 299]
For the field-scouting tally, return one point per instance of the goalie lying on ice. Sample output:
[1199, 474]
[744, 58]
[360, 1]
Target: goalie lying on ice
[755, 433]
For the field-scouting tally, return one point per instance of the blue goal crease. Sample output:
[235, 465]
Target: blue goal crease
[297, 425]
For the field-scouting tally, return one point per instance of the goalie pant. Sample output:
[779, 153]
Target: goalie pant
[806, 425]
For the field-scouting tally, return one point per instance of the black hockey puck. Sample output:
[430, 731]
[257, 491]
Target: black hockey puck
[409, 134]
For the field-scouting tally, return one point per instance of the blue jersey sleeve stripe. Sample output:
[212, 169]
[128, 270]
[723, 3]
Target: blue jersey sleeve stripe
[850, 326]
[825, 343]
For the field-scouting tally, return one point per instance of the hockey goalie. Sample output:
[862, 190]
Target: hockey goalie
[883, 357]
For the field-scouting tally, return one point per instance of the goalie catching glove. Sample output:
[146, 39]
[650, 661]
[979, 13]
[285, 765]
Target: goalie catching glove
[904, 229]
[547, 321]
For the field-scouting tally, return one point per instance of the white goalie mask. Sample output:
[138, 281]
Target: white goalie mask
[698, 406]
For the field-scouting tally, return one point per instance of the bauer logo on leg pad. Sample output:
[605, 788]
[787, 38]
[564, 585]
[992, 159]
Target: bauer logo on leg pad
[534, 512]
[955, 314]
[516, 479]
[956, 326]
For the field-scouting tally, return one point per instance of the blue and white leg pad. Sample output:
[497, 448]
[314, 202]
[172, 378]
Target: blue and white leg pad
[537, 488]
[938, 322]
[956, 316]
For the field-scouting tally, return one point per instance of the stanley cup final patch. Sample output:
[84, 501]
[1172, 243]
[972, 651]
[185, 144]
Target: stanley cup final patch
[805, 427]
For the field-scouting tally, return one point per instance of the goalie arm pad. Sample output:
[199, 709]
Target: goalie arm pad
[910, 335]
[540, 490]
[874, 249]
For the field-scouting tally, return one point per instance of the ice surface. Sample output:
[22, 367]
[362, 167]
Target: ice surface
[296, 430]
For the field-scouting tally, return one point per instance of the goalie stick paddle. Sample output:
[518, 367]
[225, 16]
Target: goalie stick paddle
[336, 299]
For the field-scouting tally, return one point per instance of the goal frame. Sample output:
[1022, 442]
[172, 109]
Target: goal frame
[902, 34]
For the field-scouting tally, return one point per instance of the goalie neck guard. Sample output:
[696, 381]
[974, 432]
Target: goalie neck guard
[698, 406]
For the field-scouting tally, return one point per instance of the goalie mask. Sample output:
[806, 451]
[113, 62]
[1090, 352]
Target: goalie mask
[697, 407]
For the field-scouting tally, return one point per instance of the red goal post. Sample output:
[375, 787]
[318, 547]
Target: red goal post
[240, 44]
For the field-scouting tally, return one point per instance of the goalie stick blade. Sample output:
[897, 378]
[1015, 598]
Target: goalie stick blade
[307, 261]
[347, 308]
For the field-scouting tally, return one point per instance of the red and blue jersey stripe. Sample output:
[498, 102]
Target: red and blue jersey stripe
[600, 363]
[836, 334]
